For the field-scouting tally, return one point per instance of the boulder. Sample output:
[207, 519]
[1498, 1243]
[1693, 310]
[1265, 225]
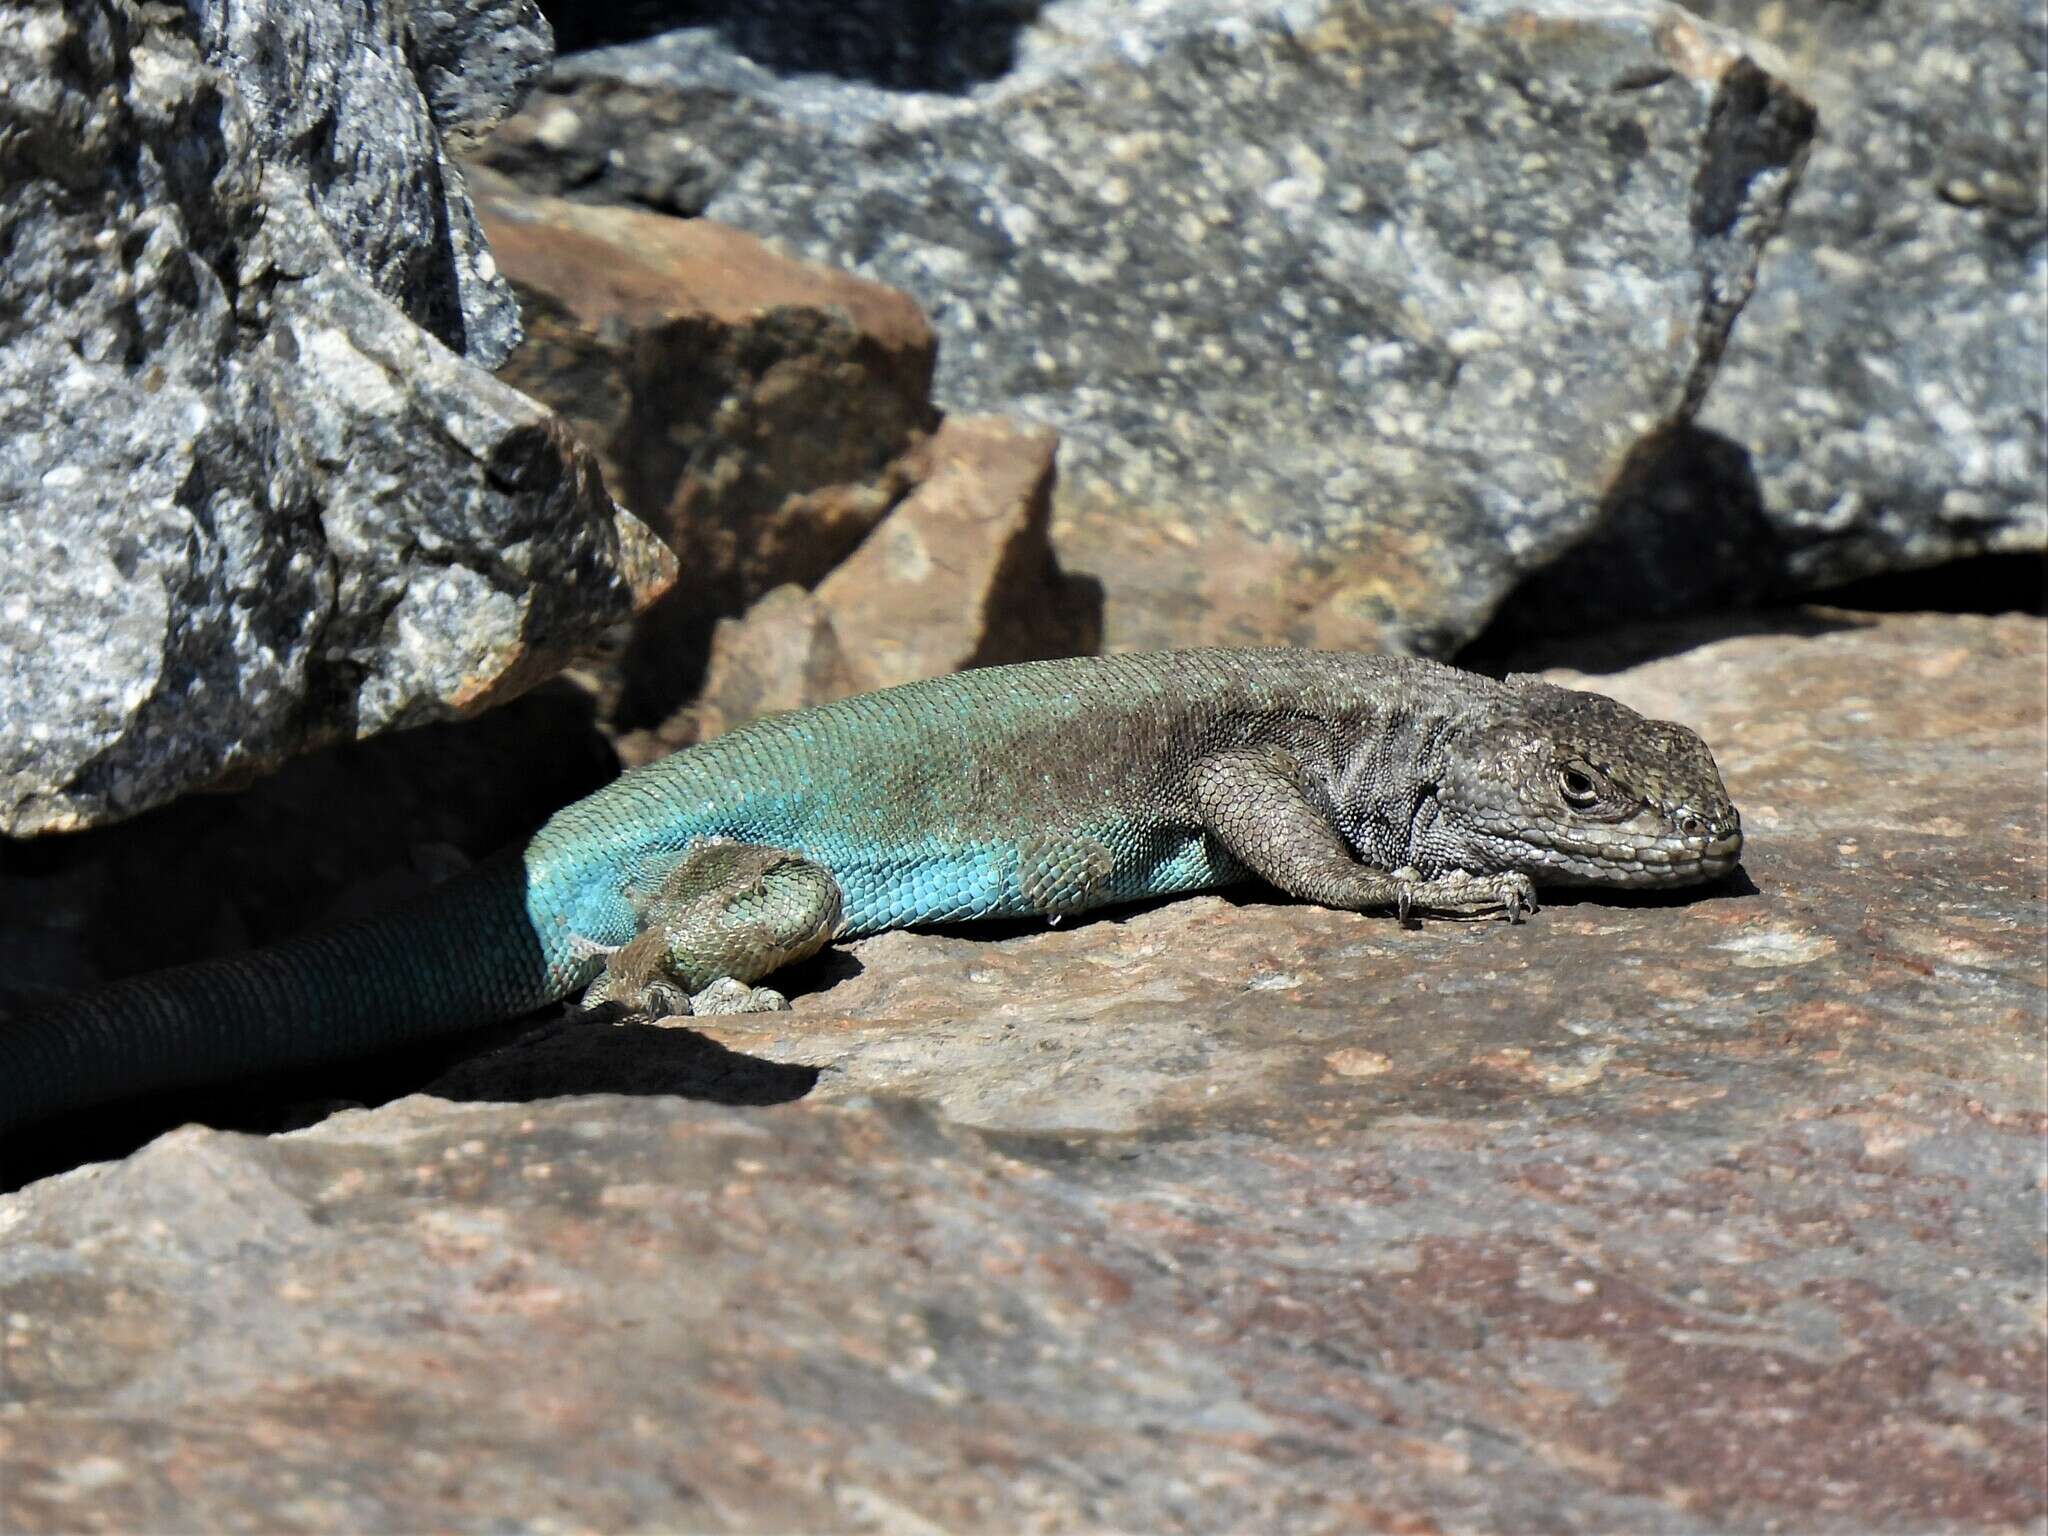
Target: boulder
[749, 407]
[1348, 313]
[961, 574]
[254, 495]
[1887, 380]
[754, 409]
[1880, 408]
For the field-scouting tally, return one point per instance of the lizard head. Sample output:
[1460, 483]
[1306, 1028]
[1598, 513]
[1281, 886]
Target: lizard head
[1574, 789]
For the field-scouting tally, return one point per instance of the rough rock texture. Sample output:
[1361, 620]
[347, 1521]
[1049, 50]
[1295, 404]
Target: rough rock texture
[1367, 299]
[1713, 1213]
[246, 503]
[961, 574]
[783, 653]
[476, 60]
[1888, 376]
[750, 407]
[355, 99]
[1883, 405]
[759, 412]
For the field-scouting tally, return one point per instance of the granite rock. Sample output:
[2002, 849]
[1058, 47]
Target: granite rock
[249, 505]
[476, 61]
[1888, 378]
[1707, 1212]
[1882, 407]
[1363, 302]
[354, 99]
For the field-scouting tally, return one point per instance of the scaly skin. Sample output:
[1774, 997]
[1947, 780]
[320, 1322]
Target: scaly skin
[1049, 788]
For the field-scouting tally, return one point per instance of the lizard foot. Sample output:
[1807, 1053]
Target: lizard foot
[644, 999]
[1461, 894]
[728, 914]
[728, 994]
[658, 999]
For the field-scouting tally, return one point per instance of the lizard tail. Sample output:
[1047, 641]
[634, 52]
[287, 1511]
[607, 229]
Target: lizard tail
[462, 954]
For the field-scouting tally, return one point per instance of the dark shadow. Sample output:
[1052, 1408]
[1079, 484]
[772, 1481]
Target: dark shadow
[826, 969]
[575, 1056]
[329, 836]
[948, 46]
[1735, 885]
[335, 838]
[1682, 553]
[548, 1056]
[1615, 650]
[1682, 531]
[1980, 584]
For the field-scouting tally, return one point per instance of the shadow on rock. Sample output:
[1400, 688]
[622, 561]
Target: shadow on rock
[576, 1056]
[948, 46]
[1733, 886]
[1682, 530]
[562, 1055]
[1616, 650]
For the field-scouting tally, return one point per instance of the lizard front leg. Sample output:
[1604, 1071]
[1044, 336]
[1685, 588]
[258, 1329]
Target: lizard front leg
[1253, 802]
[726, 916]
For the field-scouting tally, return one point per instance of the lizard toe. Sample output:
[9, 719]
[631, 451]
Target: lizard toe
[729, 995]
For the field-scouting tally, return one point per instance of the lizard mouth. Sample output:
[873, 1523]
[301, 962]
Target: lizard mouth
[1637, 866]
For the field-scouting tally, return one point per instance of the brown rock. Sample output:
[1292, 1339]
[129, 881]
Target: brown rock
[784, 653]
[1705, 1213]
[739, 401]
[962, 574]
[752, 408]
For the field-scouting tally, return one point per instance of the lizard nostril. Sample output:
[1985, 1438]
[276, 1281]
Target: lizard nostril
[1691, 825]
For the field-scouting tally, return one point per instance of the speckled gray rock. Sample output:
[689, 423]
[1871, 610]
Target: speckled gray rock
[246, 503]
[1706, 1214]
[476, 60]
[1888, 377]
[1881, 405]
[1346, 310]
[354, 96]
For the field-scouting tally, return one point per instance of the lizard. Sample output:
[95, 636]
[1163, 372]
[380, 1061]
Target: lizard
[1049, 788]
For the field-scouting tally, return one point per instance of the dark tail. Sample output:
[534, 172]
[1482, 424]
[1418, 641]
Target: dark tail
[462, 954]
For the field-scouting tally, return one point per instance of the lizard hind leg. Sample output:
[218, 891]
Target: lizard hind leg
[727, 915]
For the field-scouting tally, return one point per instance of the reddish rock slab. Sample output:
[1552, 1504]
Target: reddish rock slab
[961, 574]
[754, 409]
[1694, 1214]
[745, 404]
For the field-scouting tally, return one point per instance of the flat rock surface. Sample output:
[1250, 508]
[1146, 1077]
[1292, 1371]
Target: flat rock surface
[1704, 1214]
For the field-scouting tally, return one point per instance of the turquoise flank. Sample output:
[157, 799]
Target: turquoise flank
[889, 888]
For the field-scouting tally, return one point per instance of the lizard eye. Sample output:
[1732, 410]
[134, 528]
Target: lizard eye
[1577, 787]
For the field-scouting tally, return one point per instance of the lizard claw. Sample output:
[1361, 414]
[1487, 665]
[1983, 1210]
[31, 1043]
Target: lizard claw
[1517, 897]
[1463, 895]
[1405, 880]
